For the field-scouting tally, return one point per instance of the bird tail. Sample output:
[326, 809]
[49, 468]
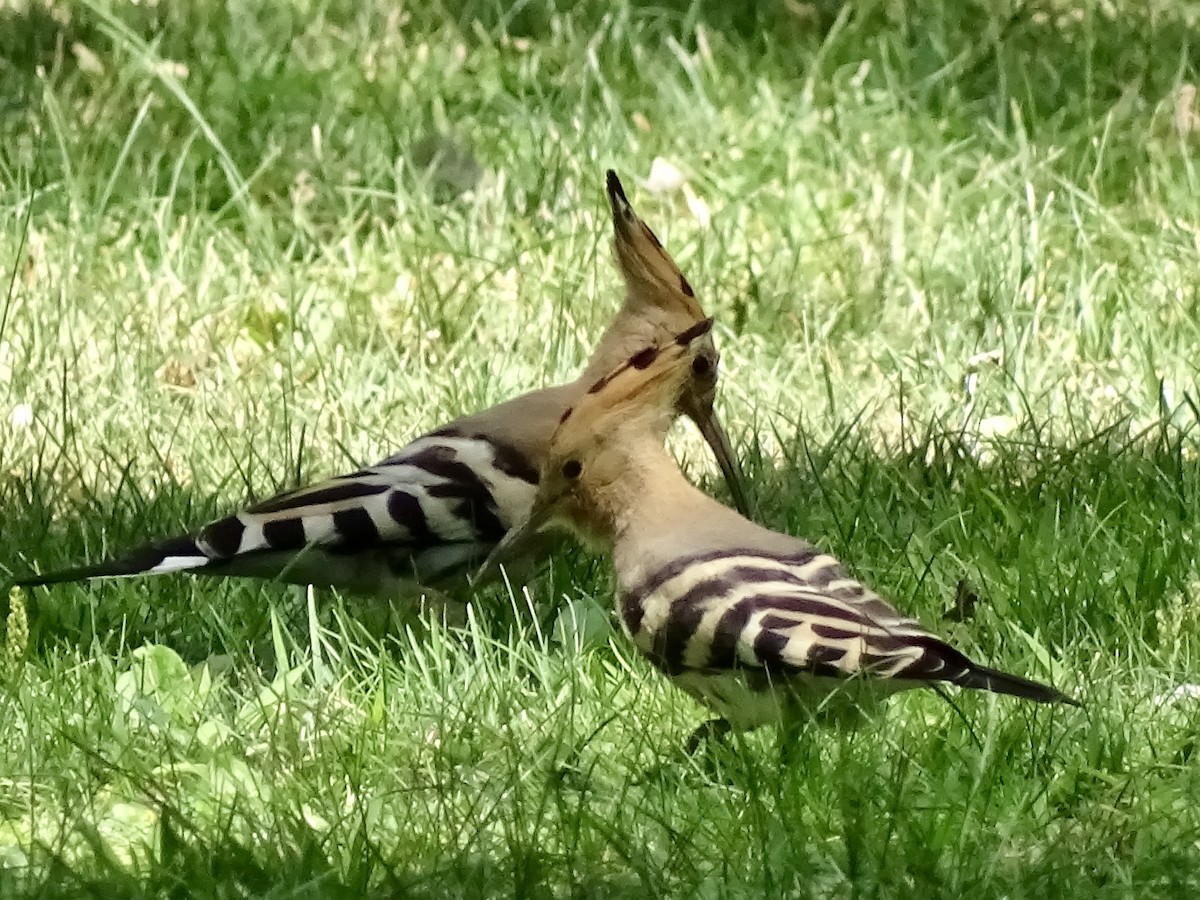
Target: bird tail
[174, 555]
[987, 679]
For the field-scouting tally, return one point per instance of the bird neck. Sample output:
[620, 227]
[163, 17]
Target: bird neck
[651, 501]
[659, 516]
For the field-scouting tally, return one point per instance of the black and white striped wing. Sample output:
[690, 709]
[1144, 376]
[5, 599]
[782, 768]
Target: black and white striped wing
[790, 616]
[431, 510]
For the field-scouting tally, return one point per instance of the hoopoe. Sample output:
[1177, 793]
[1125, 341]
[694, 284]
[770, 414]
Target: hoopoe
[435, 508]
[757, 626]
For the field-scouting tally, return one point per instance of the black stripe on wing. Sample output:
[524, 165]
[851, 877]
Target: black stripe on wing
[337, 491]
[773, 568]
[904, 656]
[820, 622]
[506, 458]
[287, 534]
[222, 538]
[407, 512]
[475, 505]
[458, 503]
[357, 527]
[686, 613]
[511, 461]
[455, 509]
[795, 567]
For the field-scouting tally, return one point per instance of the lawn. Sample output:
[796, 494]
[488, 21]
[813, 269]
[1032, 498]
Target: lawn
[953, 251]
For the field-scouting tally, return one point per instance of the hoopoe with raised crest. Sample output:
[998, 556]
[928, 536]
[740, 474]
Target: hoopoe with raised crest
[757, 626]
[434, 509]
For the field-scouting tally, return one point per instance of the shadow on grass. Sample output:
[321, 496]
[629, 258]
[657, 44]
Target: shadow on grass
[1068, 539]
[847, 838]
[1082, 543]
[301, 862]
[196, 616]
[1064, 540]
[1060, 62]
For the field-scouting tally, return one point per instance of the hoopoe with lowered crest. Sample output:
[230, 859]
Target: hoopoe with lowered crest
[430, 512]
[758, 626]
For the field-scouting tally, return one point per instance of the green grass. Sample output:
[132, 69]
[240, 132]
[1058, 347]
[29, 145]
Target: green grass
[953, 260]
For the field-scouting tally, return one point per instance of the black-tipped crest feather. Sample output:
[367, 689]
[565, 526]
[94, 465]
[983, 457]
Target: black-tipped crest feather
[650, 273]
[616, 195]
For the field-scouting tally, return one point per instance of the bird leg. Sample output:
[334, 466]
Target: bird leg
[713, 729]
[789, 736]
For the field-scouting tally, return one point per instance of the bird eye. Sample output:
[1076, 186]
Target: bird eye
[572, 469]
[701, 365]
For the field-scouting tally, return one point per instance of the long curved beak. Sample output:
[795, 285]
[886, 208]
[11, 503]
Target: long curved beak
[716, 438]
[512, 546]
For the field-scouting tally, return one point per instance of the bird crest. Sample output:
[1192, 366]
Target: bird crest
[648, 383]
[651, 277]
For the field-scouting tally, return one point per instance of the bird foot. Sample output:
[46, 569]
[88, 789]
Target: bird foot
[712, 730]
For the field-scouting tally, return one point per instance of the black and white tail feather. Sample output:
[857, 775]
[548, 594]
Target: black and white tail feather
[423, 515]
